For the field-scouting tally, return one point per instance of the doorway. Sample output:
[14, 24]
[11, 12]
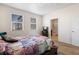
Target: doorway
[54, 29]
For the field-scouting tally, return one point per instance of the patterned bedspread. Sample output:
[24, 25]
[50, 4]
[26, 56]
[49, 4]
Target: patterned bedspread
[27, 46]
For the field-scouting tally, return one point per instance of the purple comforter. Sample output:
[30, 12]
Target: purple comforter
[29, 46]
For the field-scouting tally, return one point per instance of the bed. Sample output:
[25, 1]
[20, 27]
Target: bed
[26, 45]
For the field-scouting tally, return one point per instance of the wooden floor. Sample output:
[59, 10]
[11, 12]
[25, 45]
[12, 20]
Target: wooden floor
[55, 39]
[66, 49]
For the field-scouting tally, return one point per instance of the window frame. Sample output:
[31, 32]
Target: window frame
[33, 23]
[17, 22]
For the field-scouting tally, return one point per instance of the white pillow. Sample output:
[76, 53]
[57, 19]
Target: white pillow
[0, 37]
[6, 37]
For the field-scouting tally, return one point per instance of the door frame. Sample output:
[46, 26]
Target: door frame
[51, 25]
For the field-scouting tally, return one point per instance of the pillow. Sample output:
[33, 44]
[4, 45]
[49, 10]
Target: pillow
[2, 33]
[1, 41]
[8, 39]
[0, 37]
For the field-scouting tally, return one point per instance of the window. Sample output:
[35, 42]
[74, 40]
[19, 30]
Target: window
[33, 23]
[17, 21]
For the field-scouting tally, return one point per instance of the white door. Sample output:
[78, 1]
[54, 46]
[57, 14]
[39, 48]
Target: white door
[75, 31]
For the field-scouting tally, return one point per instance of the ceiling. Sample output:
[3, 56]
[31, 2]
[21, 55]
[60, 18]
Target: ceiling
[39, 8]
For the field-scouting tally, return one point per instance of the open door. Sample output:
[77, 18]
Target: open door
[54, 29]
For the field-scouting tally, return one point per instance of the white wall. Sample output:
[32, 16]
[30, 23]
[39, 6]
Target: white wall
[65, 17]
[5, 20]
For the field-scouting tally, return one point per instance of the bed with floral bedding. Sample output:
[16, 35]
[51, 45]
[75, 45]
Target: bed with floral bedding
[31, 45]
